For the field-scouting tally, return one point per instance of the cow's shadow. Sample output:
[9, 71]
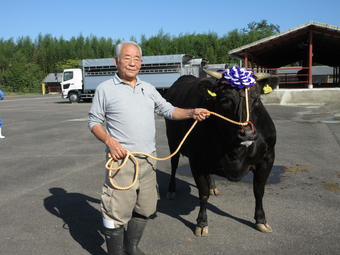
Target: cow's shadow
[185, 203]
[81, 219]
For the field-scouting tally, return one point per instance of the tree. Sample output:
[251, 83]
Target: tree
[66, 64]
[24, 62]
[21, 76]
[258, 30]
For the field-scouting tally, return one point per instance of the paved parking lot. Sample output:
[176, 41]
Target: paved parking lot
[51, 171]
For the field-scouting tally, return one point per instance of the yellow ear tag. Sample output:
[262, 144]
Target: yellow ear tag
[267, 89]
[211, 93]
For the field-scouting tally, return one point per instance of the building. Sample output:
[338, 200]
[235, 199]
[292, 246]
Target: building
[309, 44]
[51, 83]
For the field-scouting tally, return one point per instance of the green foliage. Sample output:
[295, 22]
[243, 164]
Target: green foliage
[25, 62]
[209, 45]
[21, 75]
[66, 64]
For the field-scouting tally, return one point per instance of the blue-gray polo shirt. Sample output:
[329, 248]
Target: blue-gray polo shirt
[128, 112]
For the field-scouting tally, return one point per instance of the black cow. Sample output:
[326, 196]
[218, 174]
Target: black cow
[219, 147]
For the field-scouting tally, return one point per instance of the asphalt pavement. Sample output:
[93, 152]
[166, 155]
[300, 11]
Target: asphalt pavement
[51, 171]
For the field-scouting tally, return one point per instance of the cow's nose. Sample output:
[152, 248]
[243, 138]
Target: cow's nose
[247, 133]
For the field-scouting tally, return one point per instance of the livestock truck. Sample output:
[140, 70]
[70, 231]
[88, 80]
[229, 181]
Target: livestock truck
[161, 71]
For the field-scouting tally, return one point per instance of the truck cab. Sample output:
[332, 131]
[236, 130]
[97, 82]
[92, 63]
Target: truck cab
[72, 84]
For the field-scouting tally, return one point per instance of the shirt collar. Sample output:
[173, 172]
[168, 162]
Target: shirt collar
[117, 80]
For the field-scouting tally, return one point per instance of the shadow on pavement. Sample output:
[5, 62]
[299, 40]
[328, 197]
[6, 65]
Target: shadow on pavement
[82, 220]
[68, 102]
[62, 102]
[185, 203]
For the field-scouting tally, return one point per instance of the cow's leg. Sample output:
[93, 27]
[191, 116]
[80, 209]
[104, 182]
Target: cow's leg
[202, 182]
[212, 186]
[172, 183]
[261, 174]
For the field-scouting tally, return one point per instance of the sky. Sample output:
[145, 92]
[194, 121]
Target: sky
[131, 19]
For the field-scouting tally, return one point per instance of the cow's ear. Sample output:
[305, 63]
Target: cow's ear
[263, 88]
[267, 84]
[208, 88]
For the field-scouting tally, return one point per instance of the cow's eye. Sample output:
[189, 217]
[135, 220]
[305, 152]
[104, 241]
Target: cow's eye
[227, 102]
[256, 99]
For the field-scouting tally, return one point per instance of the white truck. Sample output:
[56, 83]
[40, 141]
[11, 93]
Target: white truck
[161, 71]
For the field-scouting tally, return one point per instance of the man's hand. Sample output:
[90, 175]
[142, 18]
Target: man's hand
[116, 149]
[184, 114]
[200, 114]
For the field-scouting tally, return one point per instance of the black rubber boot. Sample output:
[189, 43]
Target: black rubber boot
[114, 240]
[133, 235]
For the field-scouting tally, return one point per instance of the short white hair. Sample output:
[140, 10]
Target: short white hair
[120, 45]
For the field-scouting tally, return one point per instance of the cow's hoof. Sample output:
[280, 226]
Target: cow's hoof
[171, 195]
[201, 231]
[265, 228]
[214, 192]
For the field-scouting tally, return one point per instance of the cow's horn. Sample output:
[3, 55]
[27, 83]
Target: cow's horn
[216, 75]
[262, 76]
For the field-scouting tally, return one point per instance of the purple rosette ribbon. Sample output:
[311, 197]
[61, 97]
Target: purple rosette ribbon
[238, 77]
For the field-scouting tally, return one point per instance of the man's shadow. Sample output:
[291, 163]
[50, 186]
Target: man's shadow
[82, 220]
[185, 203]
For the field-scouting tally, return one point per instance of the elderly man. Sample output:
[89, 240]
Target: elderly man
[127, 105]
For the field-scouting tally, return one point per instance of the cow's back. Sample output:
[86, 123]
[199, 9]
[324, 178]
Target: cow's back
[184, 93]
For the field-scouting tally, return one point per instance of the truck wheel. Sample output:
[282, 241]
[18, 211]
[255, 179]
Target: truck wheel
[74, 98]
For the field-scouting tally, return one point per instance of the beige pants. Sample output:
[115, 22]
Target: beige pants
[117, 205]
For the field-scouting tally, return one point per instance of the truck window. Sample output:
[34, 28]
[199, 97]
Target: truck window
[67, 76]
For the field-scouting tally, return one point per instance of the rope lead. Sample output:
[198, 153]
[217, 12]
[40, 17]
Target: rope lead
[110, 161]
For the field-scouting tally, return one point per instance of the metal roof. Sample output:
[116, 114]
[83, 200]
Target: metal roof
[160, 59]
[98, 62]
[292, 45]
[52, 78]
